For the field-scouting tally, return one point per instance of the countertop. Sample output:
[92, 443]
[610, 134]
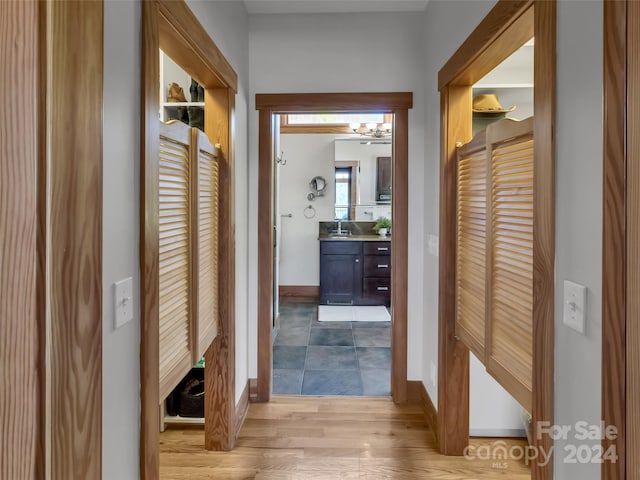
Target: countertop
[323, 237]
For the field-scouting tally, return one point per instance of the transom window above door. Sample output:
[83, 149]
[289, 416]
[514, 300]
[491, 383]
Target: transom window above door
[329, 122]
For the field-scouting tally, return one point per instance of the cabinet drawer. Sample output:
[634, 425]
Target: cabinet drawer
[377, 248]
[373, 286]
[344, 247]
[377, 266]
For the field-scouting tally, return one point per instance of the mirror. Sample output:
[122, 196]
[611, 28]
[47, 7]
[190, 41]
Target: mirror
[362, 179]
[318, 185]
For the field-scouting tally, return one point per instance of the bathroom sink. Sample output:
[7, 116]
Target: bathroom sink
[340, 234]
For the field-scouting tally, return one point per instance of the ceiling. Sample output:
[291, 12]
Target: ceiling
[333, 6]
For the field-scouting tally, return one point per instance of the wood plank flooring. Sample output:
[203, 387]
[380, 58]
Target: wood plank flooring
[328, 438]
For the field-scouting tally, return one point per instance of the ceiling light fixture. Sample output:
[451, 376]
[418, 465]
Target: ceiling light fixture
[376, 130]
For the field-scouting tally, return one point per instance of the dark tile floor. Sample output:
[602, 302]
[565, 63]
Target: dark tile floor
[329, 358]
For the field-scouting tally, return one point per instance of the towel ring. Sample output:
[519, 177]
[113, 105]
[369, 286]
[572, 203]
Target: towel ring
[309, 212]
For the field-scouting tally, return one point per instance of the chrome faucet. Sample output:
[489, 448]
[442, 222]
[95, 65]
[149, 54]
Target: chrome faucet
[339, 226]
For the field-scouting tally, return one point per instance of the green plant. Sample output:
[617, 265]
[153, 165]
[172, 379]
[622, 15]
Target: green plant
[382, 222]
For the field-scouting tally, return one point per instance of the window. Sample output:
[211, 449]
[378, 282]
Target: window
[328, 122]
[343, 193]
[333, 118]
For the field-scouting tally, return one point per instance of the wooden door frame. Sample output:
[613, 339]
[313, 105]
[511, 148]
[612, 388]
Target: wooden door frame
[505, 28]
[620, 334]
[172, 26]
[396, 103]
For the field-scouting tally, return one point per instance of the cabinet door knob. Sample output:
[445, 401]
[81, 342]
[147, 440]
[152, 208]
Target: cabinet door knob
[357, 260]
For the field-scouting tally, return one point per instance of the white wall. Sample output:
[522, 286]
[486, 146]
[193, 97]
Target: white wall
[493, 412]
[344, 53]
[227, 25]
[307, 155]
[447, 25]
[120, 223]
[579, 219]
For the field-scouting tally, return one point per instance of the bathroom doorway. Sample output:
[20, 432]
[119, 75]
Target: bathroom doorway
[332, 186]
[396, 104]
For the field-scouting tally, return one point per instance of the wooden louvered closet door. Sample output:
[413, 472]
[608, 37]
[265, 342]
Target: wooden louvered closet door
[494, 252]
[206, 180]
[175, 348]
[509, 309]
[471, 226]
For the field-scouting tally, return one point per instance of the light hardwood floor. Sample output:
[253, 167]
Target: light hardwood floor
[328, 438]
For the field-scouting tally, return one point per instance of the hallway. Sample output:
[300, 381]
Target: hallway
[326, 438]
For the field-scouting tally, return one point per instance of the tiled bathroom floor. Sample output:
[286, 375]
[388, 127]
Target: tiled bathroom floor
[329, 358]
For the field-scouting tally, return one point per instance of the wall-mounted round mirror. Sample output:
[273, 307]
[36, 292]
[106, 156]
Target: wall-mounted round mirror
[318, 185]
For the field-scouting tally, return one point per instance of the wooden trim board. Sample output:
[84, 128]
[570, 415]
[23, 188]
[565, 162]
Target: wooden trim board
[51, 240]
[632, 188]
[614, 236]
[74, 230]
[544, 230]
[396, 103]
[299, 291]
[507, 26]
[453, 356]
[242, 407]
[417, 394]
[22, 323]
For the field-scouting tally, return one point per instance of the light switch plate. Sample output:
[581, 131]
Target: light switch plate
[123, 301]
[575, 306]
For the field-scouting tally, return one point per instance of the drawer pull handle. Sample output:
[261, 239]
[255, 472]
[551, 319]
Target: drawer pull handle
[349, 303]
[383, 249]
[383, 266]
[383, 289]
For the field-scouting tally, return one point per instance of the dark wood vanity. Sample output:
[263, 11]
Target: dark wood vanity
[355, 270]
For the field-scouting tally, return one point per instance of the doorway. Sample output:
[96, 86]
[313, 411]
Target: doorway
[172, 27]
[332, 186]
[516, 23]
[270, 105]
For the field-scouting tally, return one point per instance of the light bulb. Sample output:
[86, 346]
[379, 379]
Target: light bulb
[371, 126]
[355, 126]
[386, 126]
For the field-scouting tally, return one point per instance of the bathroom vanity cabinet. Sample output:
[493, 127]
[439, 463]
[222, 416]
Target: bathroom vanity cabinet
[355, 272]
